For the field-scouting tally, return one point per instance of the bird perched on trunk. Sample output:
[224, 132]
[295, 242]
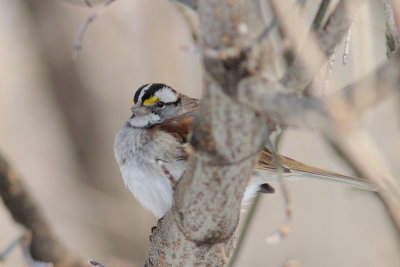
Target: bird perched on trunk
[150, 151]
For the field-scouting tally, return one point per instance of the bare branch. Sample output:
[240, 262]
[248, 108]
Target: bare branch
[388, 197]
[318, 48]
[10, 247]
[392, 33]
[396, 12]
[188, 3]
[44, 245]
[286, 109]
[363, 155]
[200, 228]
[296, 30]
[359, 96]
[81, 33]
[273, 101]
[323, 7]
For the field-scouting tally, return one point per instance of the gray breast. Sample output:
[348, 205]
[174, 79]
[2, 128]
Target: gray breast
[141, 148]
[130, 145]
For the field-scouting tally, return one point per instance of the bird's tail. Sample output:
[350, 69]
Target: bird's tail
[294, 169]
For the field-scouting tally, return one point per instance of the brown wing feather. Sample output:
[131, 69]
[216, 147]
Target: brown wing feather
[189, 104]
[179, 126]
[265, 162]
[289, 165]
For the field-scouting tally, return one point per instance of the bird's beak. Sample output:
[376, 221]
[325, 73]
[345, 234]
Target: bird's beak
[139, 110]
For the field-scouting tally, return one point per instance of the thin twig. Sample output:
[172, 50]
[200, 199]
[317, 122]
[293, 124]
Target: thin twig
[188, 3]
[251, 214]
[328, 73]
[392, 33]
[268, 99]
[346, 158]
[81, 33]
[316, 48]
[365, 157]
[10, 247]
[347, 42]
[189, 22]
[88, 3]
[266, 32]
[396, 12]
[225, 53]
[25, 243]
[283, 231]
[245, 229]
[296, 29]
[323, 7]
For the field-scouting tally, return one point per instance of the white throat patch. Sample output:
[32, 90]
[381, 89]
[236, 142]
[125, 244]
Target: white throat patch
[143, 121]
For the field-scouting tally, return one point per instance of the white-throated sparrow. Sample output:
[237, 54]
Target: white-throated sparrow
[156, 132]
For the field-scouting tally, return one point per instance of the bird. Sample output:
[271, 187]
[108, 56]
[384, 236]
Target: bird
[150, 151]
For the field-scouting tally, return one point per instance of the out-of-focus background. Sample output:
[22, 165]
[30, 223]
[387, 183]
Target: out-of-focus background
[59, 115]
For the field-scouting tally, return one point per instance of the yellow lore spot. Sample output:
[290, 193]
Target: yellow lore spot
[150, 100]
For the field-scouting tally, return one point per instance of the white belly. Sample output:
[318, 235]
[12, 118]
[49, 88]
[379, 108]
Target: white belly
[151, 187]
[143, 176]
[154, 191]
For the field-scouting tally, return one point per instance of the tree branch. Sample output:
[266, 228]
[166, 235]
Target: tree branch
[396, 12]
[366, 159]
[392, 33]
[188, 3]
[200, 228]
[272, 100]
[319, 46]
[44, 245]
[323, 7]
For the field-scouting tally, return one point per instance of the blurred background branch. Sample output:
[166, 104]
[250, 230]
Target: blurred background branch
[392, 32]
[44, 246]
[314, 113]
[319, 45]
[189, 3]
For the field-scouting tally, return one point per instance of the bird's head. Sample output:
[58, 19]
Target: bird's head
[153, 103]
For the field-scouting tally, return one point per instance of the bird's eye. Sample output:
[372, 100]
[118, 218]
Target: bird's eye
[160, 104]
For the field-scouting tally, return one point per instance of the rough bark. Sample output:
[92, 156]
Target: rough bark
[200, 228]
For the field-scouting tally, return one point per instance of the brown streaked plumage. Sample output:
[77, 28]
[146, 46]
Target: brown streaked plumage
[180, 126]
